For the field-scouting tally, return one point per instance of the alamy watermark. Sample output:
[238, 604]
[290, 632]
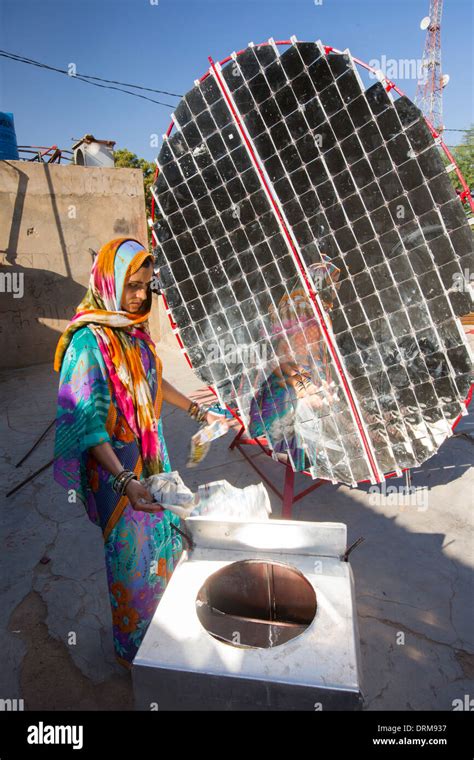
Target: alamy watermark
[254, 353]
[11, 705]
[12, 282]
[467, 703]
[403, 496]
[47, 734]
[398, 68]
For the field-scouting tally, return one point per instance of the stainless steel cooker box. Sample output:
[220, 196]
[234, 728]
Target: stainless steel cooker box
[256, 616]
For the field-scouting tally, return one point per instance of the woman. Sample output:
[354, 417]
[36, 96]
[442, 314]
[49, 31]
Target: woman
[299, 387]
[109, 434]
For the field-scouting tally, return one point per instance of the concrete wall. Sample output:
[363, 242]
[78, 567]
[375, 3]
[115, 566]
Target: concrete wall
[50, 216]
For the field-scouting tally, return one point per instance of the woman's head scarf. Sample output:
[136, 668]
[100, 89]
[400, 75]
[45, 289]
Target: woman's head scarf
[115, 329]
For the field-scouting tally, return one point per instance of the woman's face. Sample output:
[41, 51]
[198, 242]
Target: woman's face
[136, 289]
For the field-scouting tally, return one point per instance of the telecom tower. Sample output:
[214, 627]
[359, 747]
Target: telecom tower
[429, 90]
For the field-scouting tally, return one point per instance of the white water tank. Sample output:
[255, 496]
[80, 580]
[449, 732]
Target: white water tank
[91, 152]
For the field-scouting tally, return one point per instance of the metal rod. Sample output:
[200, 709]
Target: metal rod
[288, 497]
[353, 546]
[35, 444]
[189, 540]
[30, 477]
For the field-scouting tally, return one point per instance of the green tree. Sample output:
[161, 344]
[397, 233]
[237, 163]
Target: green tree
[126, 159]
[464, 156]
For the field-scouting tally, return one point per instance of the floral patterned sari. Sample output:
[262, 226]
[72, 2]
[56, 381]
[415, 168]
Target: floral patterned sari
[141, 549]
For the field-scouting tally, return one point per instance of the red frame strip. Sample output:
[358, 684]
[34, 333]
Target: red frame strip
[329, 342]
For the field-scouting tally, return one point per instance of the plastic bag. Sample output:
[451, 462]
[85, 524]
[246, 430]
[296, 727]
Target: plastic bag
[217, 500]
[169, 489]
[222, 501]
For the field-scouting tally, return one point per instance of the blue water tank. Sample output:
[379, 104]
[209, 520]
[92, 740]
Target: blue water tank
[8, 144]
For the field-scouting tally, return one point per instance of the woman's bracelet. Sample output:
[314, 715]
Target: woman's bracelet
[197, 412]
[121, 481]
[118, 480]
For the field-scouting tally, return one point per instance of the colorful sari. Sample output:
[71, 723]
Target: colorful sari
[110, 391]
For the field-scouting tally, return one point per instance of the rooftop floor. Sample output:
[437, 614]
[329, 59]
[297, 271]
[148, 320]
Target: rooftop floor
[413, 573]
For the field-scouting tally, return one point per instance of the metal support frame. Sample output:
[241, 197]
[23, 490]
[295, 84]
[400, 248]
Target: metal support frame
[288, 496]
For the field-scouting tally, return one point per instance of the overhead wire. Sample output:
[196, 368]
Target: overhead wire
[87, 79]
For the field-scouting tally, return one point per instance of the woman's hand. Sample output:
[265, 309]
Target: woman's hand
[212, 417]
[140, 498]
[319, 396]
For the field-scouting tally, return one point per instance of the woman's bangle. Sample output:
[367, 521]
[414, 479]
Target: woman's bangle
[197, 412]
[193, 409]
[116, 483]
[126, 481]
[121, 481]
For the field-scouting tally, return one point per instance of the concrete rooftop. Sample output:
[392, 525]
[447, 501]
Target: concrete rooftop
[413, 573]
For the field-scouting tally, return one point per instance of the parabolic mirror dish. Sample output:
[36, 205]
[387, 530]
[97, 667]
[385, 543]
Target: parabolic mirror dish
[312, 249]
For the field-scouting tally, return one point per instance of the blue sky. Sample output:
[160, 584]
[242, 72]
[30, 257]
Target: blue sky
[166, 46]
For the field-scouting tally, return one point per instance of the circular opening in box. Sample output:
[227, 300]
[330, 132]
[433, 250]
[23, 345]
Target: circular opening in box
[255, 603]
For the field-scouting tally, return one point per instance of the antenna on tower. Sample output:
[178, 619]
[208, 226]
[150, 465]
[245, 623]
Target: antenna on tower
[429, 89]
